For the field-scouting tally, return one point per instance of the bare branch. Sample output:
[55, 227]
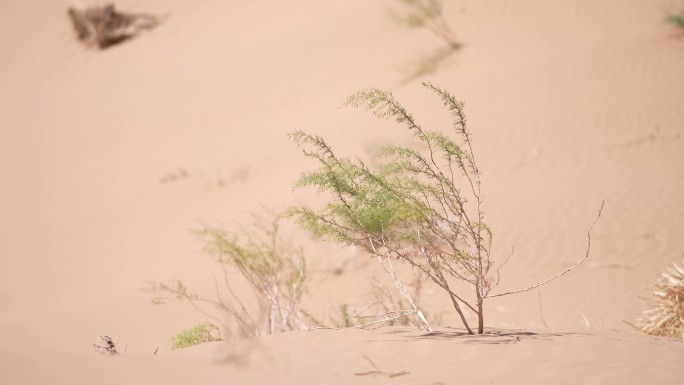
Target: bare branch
[400, 287]
[498, 275]
[586, 255]
[384, 321]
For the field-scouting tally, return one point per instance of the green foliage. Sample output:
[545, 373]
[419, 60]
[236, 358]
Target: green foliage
[420, 12]
[408, 188]
[676, 19]
[427, 15]
[176, 290]
[410, 207]
[275, 271]
[260, 257]
[199, 334]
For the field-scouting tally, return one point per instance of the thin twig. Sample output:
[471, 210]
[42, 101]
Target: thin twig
[400, 286]
[382, 321]
[498, 275]
[207, 314]
[586, 255]
[402, 312]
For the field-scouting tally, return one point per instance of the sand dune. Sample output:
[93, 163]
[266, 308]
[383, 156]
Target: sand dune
[110, 158]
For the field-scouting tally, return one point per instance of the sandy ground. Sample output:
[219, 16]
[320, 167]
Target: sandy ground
[109, 160]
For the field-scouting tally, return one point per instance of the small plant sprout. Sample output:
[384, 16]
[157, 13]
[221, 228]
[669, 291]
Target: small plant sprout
[421, 205]
[199, 334]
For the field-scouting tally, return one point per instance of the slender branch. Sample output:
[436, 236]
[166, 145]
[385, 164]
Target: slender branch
[403, 312]
[232, 293]
[381, 322]
[498, 274]
[230, 308]
[385, 320]
[199, 309]
[586, 255]
[437, 279]
[400, 286]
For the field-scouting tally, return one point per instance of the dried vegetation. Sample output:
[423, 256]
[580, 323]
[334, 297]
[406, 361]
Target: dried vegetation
[104, 26]
[666, 318]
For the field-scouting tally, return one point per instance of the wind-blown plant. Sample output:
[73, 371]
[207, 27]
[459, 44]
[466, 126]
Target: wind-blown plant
[275, 272]
[421, 205]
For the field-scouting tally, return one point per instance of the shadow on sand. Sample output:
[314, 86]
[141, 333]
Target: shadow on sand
[490, 336]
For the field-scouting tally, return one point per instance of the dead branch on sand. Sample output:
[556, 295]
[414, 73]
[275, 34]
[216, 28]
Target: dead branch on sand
[104, 26]
[109, 347]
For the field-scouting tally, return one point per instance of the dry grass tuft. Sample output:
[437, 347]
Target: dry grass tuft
[103, 26]
[666, 318]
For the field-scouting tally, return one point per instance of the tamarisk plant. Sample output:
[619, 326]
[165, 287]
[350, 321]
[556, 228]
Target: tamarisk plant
[420, 205]
[275, 272]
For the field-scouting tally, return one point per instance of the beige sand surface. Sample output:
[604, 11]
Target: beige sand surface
[389, 355]
[110, 158]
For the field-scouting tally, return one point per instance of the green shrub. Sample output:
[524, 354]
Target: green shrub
[199, 334]
[422, 204]
[275, 272]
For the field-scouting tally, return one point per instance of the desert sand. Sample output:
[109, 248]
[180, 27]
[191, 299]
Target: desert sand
[111, 158]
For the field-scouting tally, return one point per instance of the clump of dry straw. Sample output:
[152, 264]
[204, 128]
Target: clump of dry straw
[666, 318]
